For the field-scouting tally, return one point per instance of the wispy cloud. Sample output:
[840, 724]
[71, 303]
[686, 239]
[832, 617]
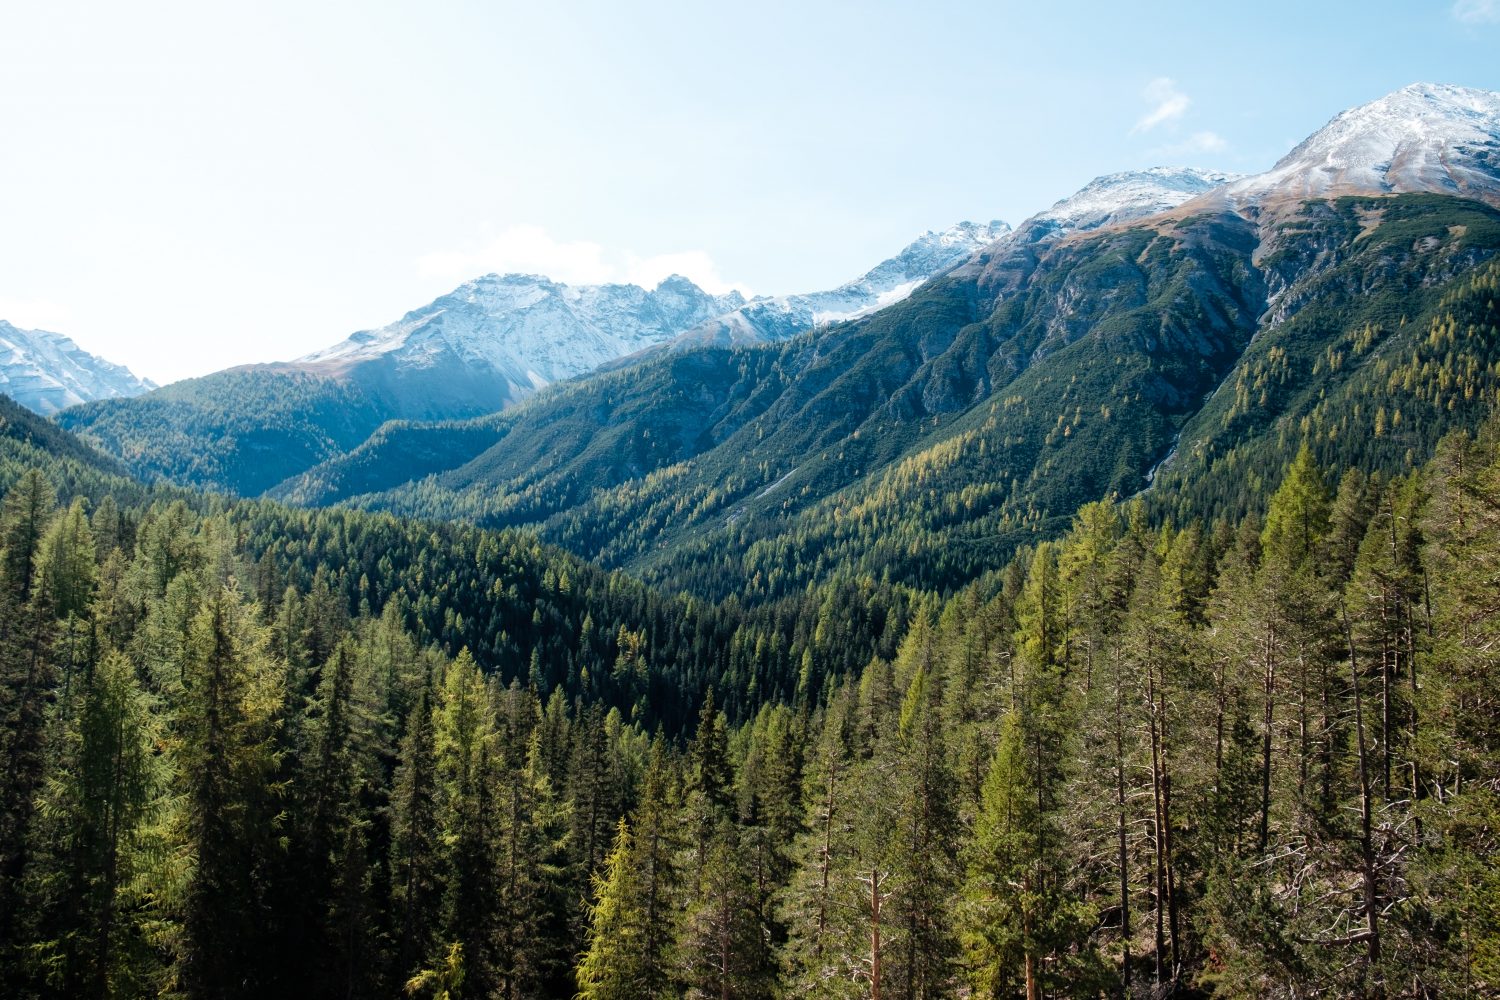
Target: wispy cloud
[1167, 102]
[529, 249]
[1477, 11]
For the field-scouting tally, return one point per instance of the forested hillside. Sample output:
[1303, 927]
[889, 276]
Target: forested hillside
[932, 439]
[252, 751]
[239, 431]
[1115, 615]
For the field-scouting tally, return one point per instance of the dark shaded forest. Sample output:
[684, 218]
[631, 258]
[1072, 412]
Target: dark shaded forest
[254, 751]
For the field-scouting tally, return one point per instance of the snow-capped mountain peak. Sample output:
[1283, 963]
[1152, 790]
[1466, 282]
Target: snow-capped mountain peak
[47, 372]
[1424, 137]
[500, 336]
[1113, 199]
[888, 282]
[1122, 197]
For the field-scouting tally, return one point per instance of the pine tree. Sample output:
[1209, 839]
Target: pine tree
[611, 968]
[632, 917]
[814, 903]
[722, 946]
[103, 795]
[27, 676]
[1452, 908]
[464, 750]
[231, 695]
[708, 790]
[416, 888]
[1023, 928]
[595, 791]
[924, 847]
[522, 849]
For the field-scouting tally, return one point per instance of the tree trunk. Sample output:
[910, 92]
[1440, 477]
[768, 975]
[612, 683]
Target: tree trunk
[875, 934]
[1269, 686]
[1368, 874]
[1120, 831]
[1158, 873]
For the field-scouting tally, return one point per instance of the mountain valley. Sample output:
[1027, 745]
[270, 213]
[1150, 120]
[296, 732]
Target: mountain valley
[1100, 607]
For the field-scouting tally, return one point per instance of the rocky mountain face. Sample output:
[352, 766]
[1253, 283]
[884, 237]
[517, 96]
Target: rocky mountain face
[47, 372]
[483, 347]
[1119, 198]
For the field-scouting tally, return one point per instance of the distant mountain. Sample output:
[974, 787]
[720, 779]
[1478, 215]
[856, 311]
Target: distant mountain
[496, 339]
[890, 281]
[1111, 200]
[1170, 325]
[484, 346]
[47, 372]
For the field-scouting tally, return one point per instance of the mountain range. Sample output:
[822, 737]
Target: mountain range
[1169, 325]
[498, 338]
[487, 345]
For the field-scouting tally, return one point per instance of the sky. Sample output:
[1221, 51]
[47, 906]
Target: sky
[186, 186]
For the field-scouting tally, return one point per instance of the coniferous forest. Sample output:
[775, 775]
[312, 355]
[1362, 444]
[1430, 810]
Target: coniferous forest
[250, 751]
[1104, 608]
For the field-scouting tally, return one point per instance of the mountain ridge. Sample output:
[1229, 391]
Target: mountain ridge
[893, 279]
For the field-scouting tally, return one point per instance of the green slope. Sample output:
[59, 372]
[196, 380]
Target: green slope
[928, 440]
[240, 431]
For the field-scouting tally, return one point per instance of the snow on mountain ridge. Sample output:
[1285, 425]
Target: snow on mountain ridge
[47, 372]
[529, 329]
[886, 283]
[1122, 197]
[1112, 199]
[497, 338]
[1422, 138]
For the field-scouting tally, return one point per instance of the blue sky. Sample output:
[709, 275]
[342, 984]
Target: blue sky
[187, 186]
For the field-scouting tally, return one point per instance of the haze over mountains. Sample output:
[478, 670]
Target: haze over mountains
[496, 339]
[487, 345]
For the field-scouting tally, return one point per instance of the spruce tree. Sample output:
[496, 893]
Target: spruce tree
[416, 887]
[104, 794]
[464, 754]
[231, 695]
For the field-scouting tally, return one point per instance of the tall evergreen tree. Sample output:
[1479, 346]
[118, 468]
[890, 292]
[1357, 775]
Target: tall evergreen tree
[98, 841]
[231, 696]
[416, 886]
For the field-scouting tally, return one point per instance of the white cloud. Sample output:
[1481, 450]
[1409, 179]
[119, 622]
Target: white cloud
[1477, 11]
[1196, 144]
[695, 264]
[529, 249]
[35, 314]
[526, 250]
[1167, 104]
